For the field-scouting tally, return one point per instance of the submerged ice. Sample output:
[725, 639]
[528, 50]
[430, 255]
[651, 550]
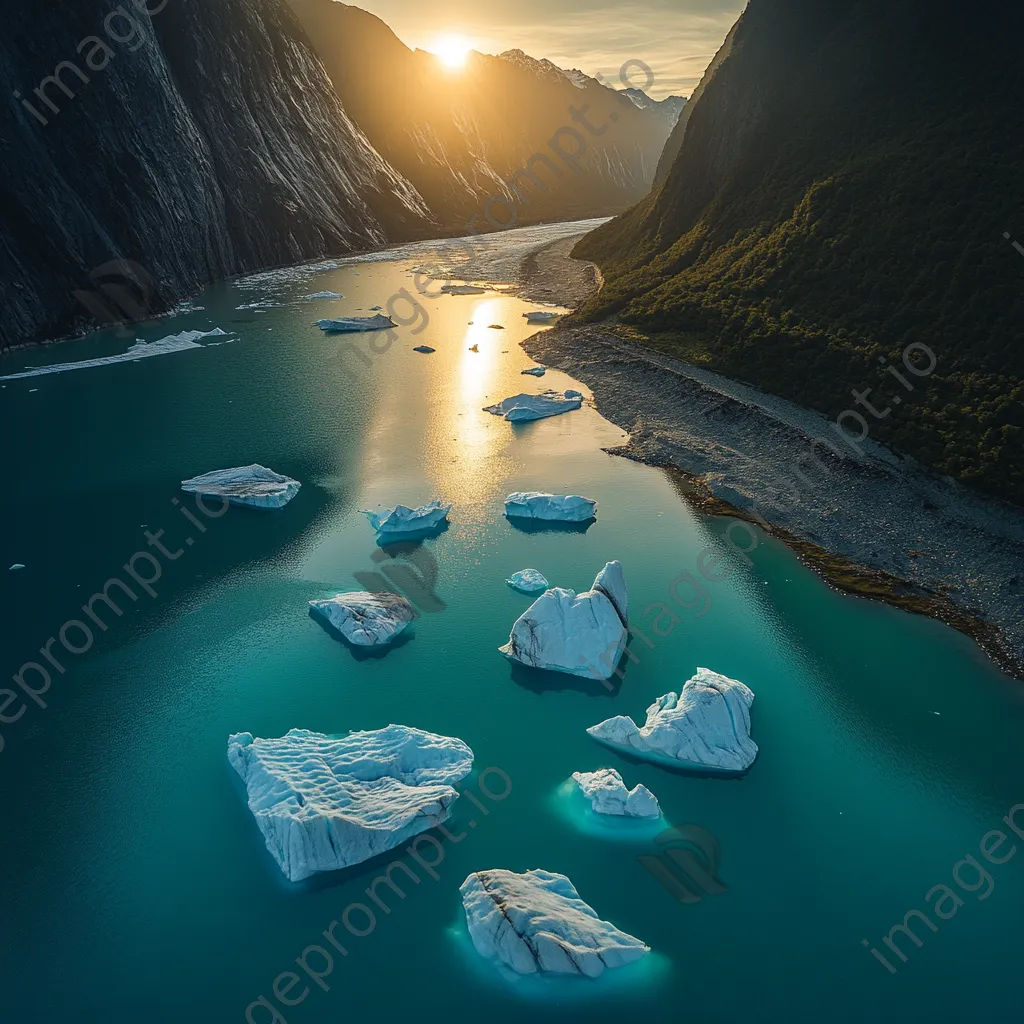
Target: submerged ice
[327, 803]
[529, 581]
[535, 922]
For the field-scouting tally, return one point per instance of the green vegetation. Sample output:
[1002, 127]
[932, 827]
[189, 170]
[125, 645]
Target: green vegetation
[831, 206]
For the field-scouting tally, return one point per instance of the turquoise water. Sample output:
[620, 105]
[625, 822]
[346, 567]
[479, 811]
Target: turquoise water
[136, 885]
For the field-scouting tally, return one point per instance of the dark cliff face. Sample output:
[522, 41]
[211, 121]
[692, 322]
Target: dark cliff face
[205, 142]
[460, 137]
[833, 200]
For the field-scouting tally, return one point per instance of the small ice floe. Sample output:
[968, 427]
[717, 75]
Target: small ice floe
[325, 295]
[374, 309]
[402, 519]
[365, 619]
[607, 794]
[424, 348]
[140, 350]
[255, 486]
[566, 508]
[260, 307]
[583, 635]
[706, 726]
[474, 348]
[522, 408]
[535, 371]
[536, 923]
[17, 565]
[495, 327]
[351, 324]
[462, 289]
[529, 581]
[326, 803]
[540, 317]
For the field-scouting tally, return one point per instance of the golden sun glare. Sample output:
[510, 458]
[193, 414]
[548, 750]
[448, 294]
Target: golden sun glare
[452, 51]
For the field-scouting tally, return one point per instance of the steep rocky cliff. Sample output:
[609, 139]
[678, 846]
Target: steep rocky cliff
[845, 184]
[198, 142]
[464, 136]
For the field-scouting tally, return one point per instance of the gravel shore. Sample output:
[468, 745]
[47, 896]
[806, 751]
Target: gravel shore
[872, 521]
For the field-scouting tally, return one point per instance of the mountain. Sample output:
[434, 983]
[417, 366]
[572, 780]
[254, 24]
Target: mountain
[846, 184]
[208, 143]
[486, 130]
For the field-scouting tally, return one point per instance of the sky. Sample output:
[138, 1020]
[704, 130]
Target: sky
[675, 38]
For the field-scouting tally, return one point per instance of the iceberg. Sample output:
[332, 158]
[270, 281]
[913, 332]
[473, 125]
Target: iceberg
[140, 350]
[255, 486]
[17, 565]
[541, 317]
[535, 371]
[402, 519]
[426, 349]
[529, 581]
[326, 803]
[350, 324]
[536, 923]
[366, 619]
[567, 508]
[324, 295]
[462, 289]
[607, 794]
[706, 726]
[583, 634]
[521, 408]
[374, 309]
[496, 327]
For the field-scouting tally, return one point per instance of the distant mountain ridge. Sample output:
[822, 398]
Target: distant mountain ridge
[823, 208]
[464, 137]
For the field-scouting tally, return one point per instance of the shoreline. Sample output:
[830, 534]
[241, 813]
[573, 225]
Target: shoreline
[871, 522]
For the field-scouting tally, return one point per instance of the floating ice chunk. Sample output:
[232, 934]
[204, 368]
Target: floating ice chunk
[140, 350]
[535, 371]
[528, 580]
[611, 582]
[707, 725]
[426, 349]
[535, 922]
[495, 327]
[607, 794]
[368, 620]
[520, 408]
[474, 348]
[567, 508]
[350, 324]
[17, 565]
[462, 289]
[561, 631]
[325, 295]
[254, 485]
[540, 317]
[373, 309]
[324, 804]
[402, 519]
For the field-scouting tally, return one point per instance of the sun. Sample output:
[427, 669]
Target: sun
[452, 51]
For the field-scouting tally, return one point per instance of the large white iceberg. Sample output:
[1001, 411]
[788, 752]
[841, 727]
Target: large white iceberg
[402, 519]
[140, 350]
[608, 794]
[567, 508]
[583, 634]
[324, 803]
[521, 408]
[535, 923]
[255, 486]
[348, 324]
[707, 725]
[366, 619]
[529, 581]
